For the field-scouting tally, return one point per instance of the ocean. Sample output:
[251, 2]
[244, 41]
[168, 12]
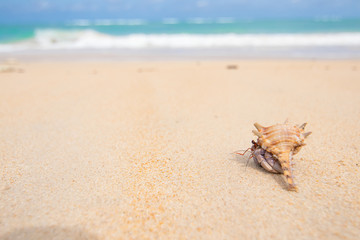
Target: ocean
[193, 33]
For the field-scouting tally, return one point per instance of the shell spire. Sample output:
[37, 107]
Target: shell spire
[285, 163]
[282, 141]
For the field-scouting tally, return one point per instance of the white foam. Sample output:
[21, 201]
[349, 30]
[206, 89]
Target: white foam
[90, 39]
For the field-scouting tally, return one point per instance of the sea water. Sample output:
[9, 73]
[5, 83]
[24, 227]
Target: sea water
[192, 33]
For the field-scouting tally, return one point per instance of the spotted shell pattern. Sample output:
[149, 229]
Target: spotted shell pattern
[282, 141]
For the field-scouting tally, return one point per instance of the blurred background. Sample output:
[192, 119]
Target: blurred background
[316, 27]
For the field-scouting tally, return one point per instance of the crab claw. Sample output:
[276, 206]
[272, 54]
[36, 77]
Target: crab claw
[266, 161]
[274, 163]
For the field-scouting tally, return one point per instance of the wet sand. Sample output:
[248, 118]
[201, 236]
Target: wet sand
[143, 150]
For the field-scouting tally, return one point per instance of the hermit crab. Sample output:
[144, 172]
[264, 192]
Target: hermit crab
[275, 147]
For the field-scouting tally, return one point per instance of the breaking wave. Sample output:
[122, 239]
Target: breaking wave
[52, 39]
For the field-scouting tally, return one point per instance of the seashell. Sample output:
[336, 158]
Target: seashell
[276, 145]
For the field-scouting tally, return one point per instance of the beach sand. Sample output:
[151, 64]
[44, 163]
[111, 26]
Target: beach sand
[143, 150]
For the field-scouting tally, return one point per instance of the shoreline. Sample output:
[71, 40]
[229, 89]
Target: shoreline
[196, 54]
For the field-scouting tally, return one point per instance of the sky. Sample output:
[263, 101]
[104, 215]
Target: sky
[58, 10]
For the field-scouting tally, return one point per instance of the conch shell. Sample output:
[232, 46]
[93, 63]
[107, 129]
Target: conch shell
[282, 141]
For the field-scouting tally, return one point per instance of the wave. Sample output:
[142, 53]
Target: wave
[50, 39]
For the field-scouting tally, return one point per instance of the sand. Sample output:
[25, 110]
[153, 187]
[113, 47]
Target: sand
[143, 150]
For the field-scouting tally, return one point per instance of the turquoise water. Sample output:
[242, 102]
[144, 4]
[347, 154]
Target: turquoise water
[196, 33]
[11, 33]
